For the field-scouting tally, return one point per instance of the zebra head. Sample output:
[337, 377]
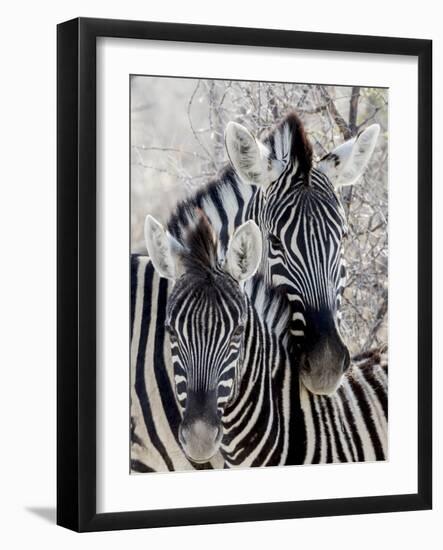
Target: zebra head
[205, 319]
[303, 223]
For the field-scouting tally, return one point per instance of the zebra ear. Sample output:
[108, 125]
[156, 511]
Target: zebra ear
[249, 157]
[244, 251]
[345, 164]
[163, 249]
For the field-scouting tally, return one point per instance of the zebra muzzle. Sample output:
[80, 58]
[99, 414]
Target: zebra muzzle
[322, 373]
[200, 440]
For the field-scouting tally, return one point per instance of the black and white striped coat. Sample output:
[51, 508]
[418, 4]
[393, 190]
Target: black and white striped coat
[155, 412]
[228, 201]
[350, 426]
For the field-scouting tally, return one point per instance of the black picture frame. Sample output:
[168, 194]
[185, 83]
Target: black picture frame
[76, 273]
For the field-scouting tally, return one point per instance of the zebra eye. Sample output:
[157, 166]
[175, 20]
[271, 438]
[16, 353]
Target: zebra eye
[238, 332]
[275, 241]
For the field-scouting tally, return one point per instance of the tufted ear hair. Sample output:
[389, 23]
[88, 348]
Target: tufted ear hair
[345, 164]
[250, 157]
[244, 251]
[163, 249]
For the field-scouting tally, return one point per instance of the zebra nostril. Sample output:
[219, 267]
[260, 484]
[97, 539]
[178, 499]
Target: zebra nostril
[305, 364]
[181, 437]
[219, 434]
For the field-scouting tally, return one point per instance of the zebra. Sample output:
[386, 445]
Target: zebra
[155, 413]
[234, 379]
[274, 182]
[241, 193]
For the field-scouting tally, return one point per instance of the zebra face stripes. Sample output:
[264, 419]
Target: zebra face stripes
[205, 320]
[303, 224]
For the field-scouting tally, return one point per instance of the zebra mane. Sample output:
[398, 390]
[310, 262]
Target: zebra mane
[224, 189]
[199, 255]
[288, 140]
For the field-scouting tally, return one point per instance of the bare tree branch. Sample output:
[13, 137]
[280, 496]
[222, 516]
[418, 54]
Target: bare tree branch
[353, 109]
[339, 120]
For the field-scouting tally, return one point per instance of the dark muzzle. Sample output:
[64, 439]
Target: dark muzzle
[325, 358]
[200, 432]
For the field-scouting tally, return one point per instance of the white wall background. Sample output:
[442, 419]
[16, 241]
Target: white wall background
[27, 275]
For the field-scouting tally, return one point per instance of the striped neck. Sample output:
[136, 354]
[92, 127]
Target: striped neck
[256, 430]
[224, 201]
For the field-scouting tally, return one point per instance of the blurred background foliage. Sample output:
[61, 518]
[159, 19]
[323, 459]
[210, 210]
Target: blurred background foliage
[177, 145]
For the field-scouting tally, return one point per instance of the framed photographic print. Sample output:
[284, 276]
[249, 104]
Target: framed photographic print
[244, 246]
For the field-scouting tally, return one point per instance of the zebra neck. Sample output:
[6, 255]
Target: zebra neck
[254, 424]
[223, 200]
[264, 350]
